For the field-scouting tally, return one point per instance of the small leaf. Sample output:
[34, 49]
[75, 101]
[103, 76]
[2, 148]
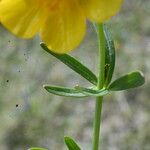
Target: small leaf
[92, 92]
[110, 56]
[131, 80]
[71, 144]
[74, 65]
[36, 148]
[62, 91]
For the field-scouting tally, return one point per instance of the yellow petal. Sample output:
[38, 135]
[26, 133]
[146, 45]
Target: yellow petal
[100, 10]
[65, 26]
[22, 17]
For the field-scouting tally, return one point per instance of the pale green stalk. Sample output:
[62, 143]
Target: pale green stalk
[99, 100]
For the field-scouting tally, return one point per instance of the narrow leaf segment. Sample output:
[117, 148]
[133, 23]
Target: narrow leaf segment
[62, 91]
[74, 65]
[71, 144]
[92, 92]
[128, 81]
[109, 56]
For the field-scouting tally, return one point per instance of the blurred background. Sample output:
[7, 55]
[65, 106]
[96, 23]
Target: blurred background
[29, 116]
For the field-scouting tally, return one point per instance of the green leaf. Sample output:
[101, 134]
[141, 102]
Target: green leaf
[62, 91]
[73, 64]
[71, 144]
[92, 92]
[36, 148]
[130, 80]
[110, 56]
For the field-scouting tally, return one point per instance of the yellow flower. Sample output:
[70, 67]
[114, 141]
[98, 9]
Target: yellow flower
[61, 23]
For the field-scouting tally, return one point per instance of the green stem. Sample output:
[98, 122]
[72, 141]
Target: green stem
[99, 100]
